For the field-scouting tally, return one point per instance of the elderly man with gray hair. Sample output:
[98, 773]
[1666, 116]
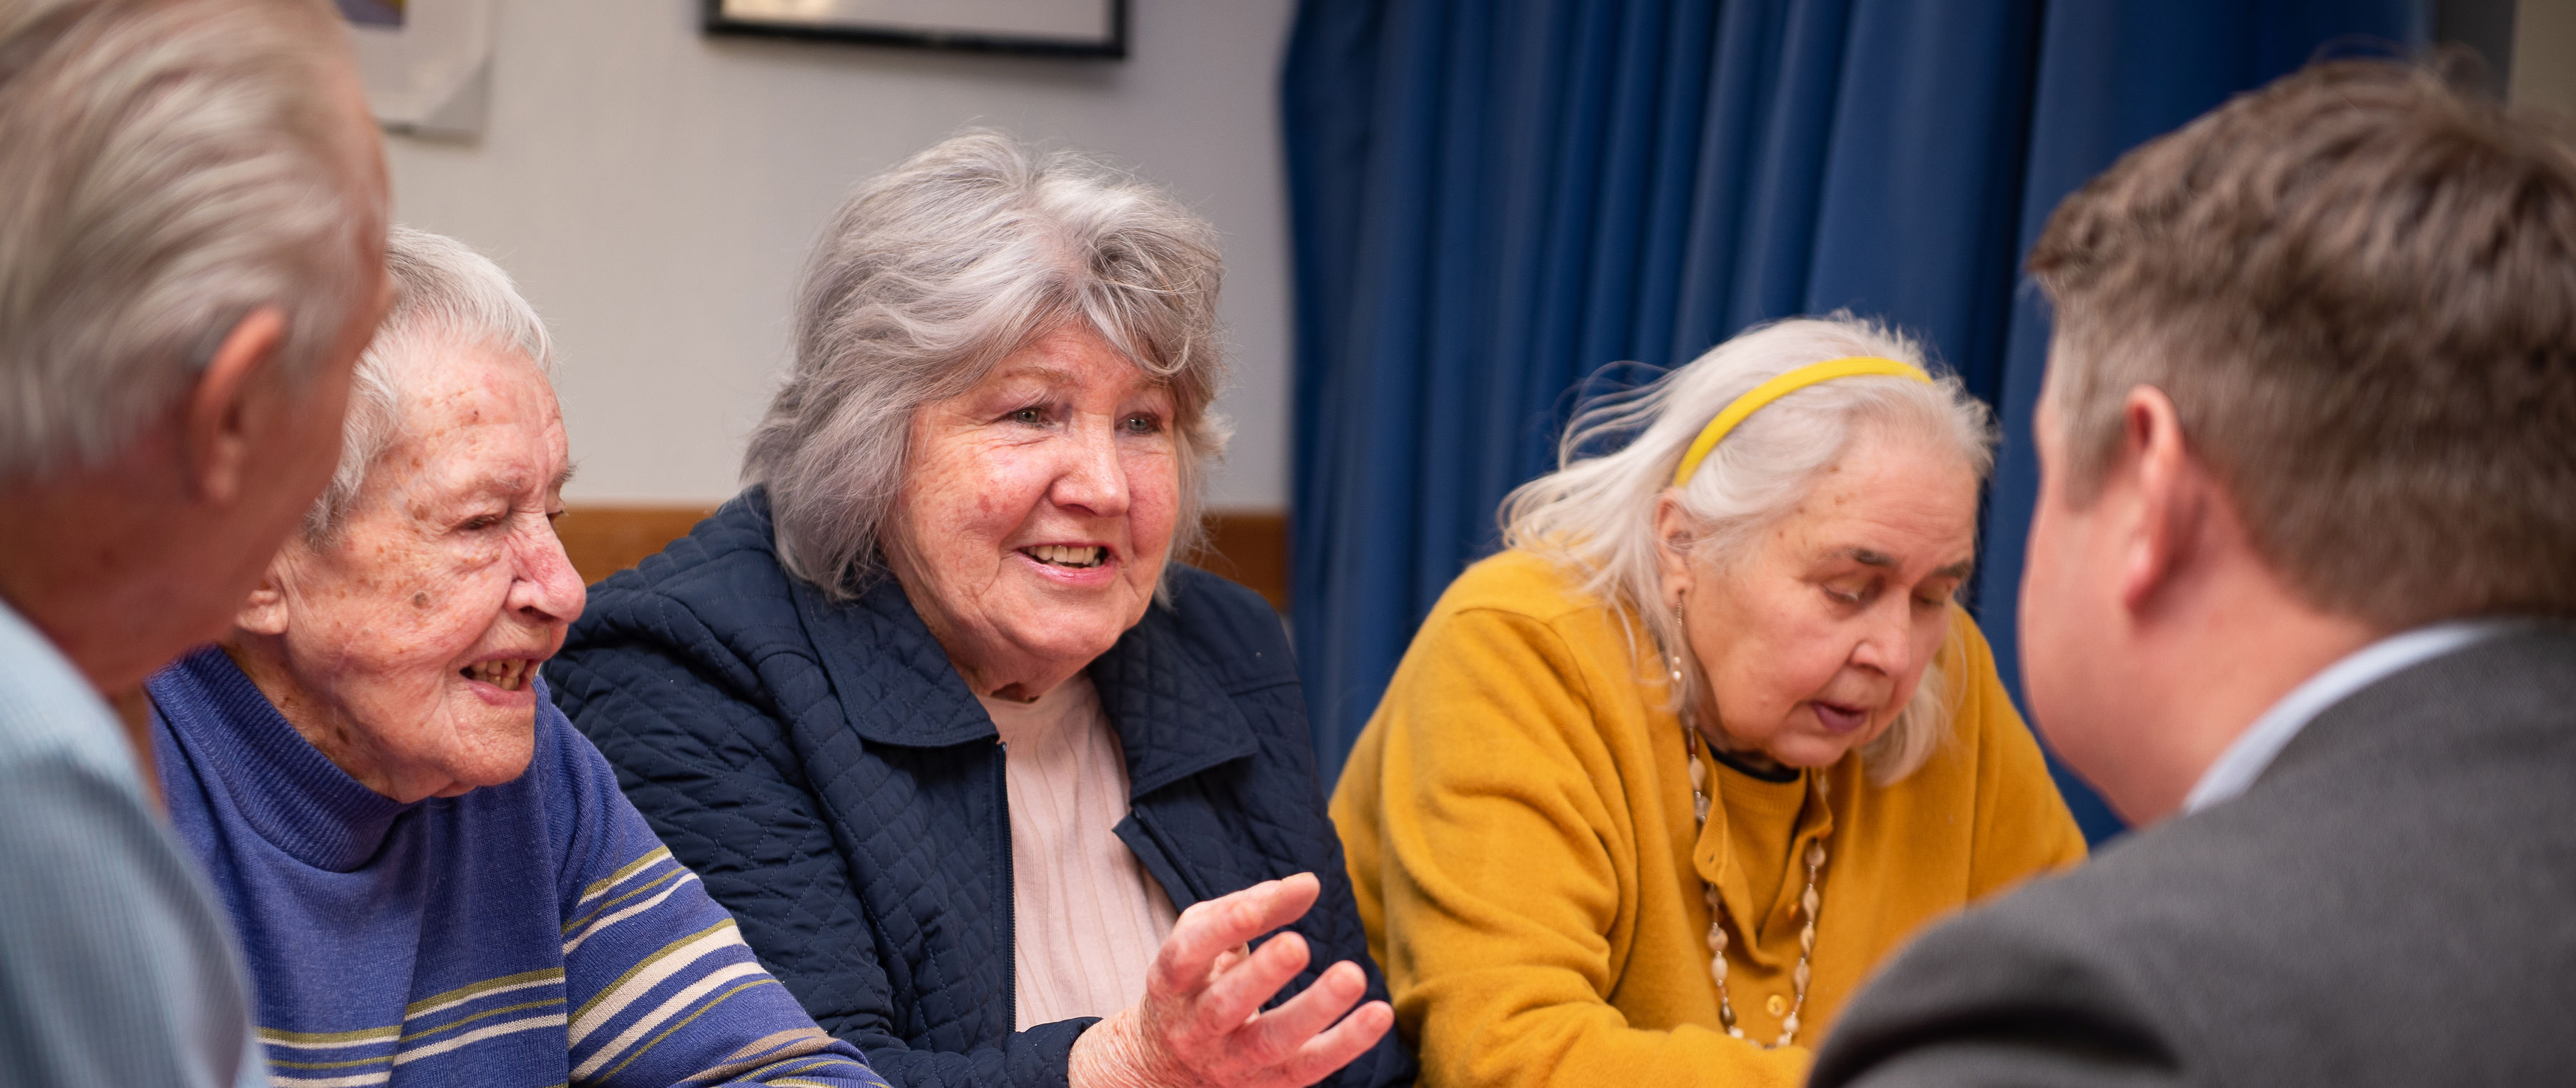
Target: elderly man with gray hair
[191, 224]
[435, 878]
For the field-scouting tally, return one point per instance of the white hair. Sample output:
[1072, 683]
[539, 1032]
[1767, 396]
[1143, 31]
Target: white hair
[1596, 513]
[166, 168]
[931, 273]
[446, 296]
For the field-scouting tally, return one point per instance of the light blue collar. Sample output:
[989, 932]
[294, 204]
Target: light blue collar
[2243, 761]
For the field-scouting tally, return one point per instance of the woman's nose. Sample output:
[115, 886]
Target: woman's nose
[548, 589]
[1093, 479]
[1886, 644]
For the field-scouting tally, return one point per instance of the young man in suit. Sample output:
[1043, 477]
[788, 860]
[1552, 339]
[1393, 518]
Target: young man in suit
[2298, 600]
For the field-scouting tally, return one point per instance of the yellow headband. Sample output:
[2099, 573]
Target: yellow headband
[1776, 388]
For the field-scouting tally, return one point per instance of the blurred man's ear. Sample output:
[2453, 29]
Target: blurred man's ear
[232, 398]
[2172, 494]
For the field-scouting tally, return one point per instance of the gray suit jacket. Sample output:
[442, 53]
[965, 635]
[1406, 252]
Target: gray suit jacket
[2393, 902]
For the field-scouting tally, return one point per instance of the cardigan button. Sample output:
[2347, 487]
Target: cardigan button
[1778, 1005]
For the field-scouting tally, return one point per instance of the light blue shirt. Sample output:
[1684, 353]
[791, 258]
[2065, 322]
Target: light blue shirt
[2243, 761]
[116, 966]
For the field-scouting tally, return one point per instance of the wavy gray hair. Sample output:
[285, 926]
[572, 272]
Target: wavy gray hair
[1596, 514]
[934, 271]
[165, 169]
[445, 296]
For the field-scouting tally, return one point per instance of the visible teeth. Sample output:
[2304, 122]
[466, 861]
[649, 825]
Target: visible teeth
[508, 675]
[1068, 556]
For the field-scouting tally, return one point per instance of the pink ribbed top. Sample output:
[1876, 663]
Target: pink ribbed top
[1086, 916]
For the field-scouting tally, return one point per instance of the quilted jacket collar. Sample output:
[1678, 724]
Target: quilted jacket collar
[1173, 717]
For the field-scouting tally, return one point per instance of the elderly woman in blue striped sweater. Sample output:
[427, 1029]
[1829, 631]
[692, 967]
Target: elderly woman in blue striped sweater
[435, 877]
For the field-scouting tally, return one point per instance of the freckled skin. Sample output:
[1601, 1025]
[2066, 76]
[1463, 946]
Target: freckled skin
[1065, 442]
[1801, 619]
[448, 557]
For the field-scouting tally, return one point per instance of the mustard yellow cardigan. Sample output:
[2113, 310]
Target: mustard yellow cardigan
[1517, 818]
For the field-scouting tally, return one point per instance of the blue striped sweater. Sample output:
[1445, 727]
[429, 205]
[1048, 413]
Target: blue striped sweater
[528, 934]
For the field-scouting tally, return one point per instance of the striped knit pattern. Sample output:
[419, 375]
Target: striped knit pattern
[534, 933]
[432, 1026]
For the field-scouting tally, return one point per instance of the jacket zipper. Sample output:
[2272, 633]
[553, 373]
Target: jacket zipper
[1010, 893]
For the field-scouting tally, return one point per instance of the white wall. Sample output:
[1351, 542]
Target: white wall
[654, 191]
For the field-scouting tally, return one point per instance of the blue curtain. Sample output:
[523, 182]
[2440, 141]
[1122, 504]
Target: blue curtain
[1493, 199]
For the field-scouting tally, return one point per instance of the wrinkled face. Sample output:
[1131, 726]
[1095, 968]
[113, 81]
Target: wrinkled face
[411, 638]
[1815, 637]
[1038, 511]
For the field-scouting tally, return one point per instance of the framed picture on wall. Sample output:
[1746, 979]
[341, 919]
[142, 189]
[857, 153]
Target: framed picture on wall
[427, 63]
[1074, 28]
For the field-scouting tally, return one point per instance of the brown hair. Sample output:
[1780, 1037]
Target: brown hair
[2358, 286]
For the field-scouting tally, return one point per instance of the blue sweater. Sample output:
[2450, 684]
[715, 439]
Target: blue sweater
[533, 933]
[823, 766]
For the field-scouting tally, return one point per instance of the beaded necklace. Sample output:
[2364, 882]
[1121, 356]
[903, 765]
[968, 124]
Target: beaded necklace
[1809, 902]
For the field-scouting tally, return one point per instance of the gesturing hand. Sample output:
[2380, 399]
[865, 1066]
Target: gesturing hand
[1199, 1024]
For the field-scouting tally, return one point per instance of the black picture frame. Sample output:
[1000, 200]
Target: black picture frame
[1112, 47]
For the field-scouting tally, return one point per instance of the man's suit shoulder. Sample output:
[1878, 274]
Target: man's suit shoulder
[2394, 884]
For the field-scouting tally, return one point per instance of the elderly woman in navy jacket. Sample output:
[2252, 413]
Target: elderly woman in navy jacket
[997, 789]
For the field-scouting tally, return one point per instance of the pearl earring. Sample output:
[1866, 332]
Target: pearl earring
[1673, 657]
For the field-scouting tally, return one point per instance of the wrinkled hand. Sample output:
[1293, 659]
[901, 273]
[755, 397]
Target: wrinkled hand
[1200, 1024]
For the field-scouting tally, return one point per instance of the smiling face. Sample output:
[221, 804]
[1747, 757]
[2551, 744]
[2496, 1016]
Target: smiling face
[405, 647]
[1038, 511]
[1813, 639]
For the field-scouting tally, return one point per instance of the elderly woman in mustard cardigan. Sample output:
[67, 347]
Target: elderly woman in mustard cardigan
[1658, 785]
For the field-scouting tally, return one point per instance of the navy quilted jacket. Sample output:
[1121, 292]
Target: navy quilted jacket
[825, 771]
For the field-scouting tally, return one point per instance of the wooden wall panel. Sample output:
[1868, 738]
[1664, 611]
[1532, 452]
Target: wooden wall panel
[1249, 546]
[603, 540]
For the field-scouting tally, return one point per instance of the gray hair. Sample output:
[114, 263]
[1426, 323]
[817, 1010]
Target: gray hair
[445, 296]
[165, 169]
[1596, 514]
[934, 271]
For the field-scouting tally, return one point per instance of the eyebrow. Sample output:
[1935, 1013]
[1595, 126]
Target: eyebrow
[510, 485]
[1868, 558]
[1041, 371]
[1056, 375]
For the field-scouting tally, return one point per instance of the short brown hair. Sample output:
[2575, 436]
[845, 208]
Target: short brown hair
[2358, 286]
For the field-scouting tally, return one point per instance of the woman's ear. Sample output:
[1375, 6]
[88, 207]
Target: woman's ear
[264, 611]
[1674, 536]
